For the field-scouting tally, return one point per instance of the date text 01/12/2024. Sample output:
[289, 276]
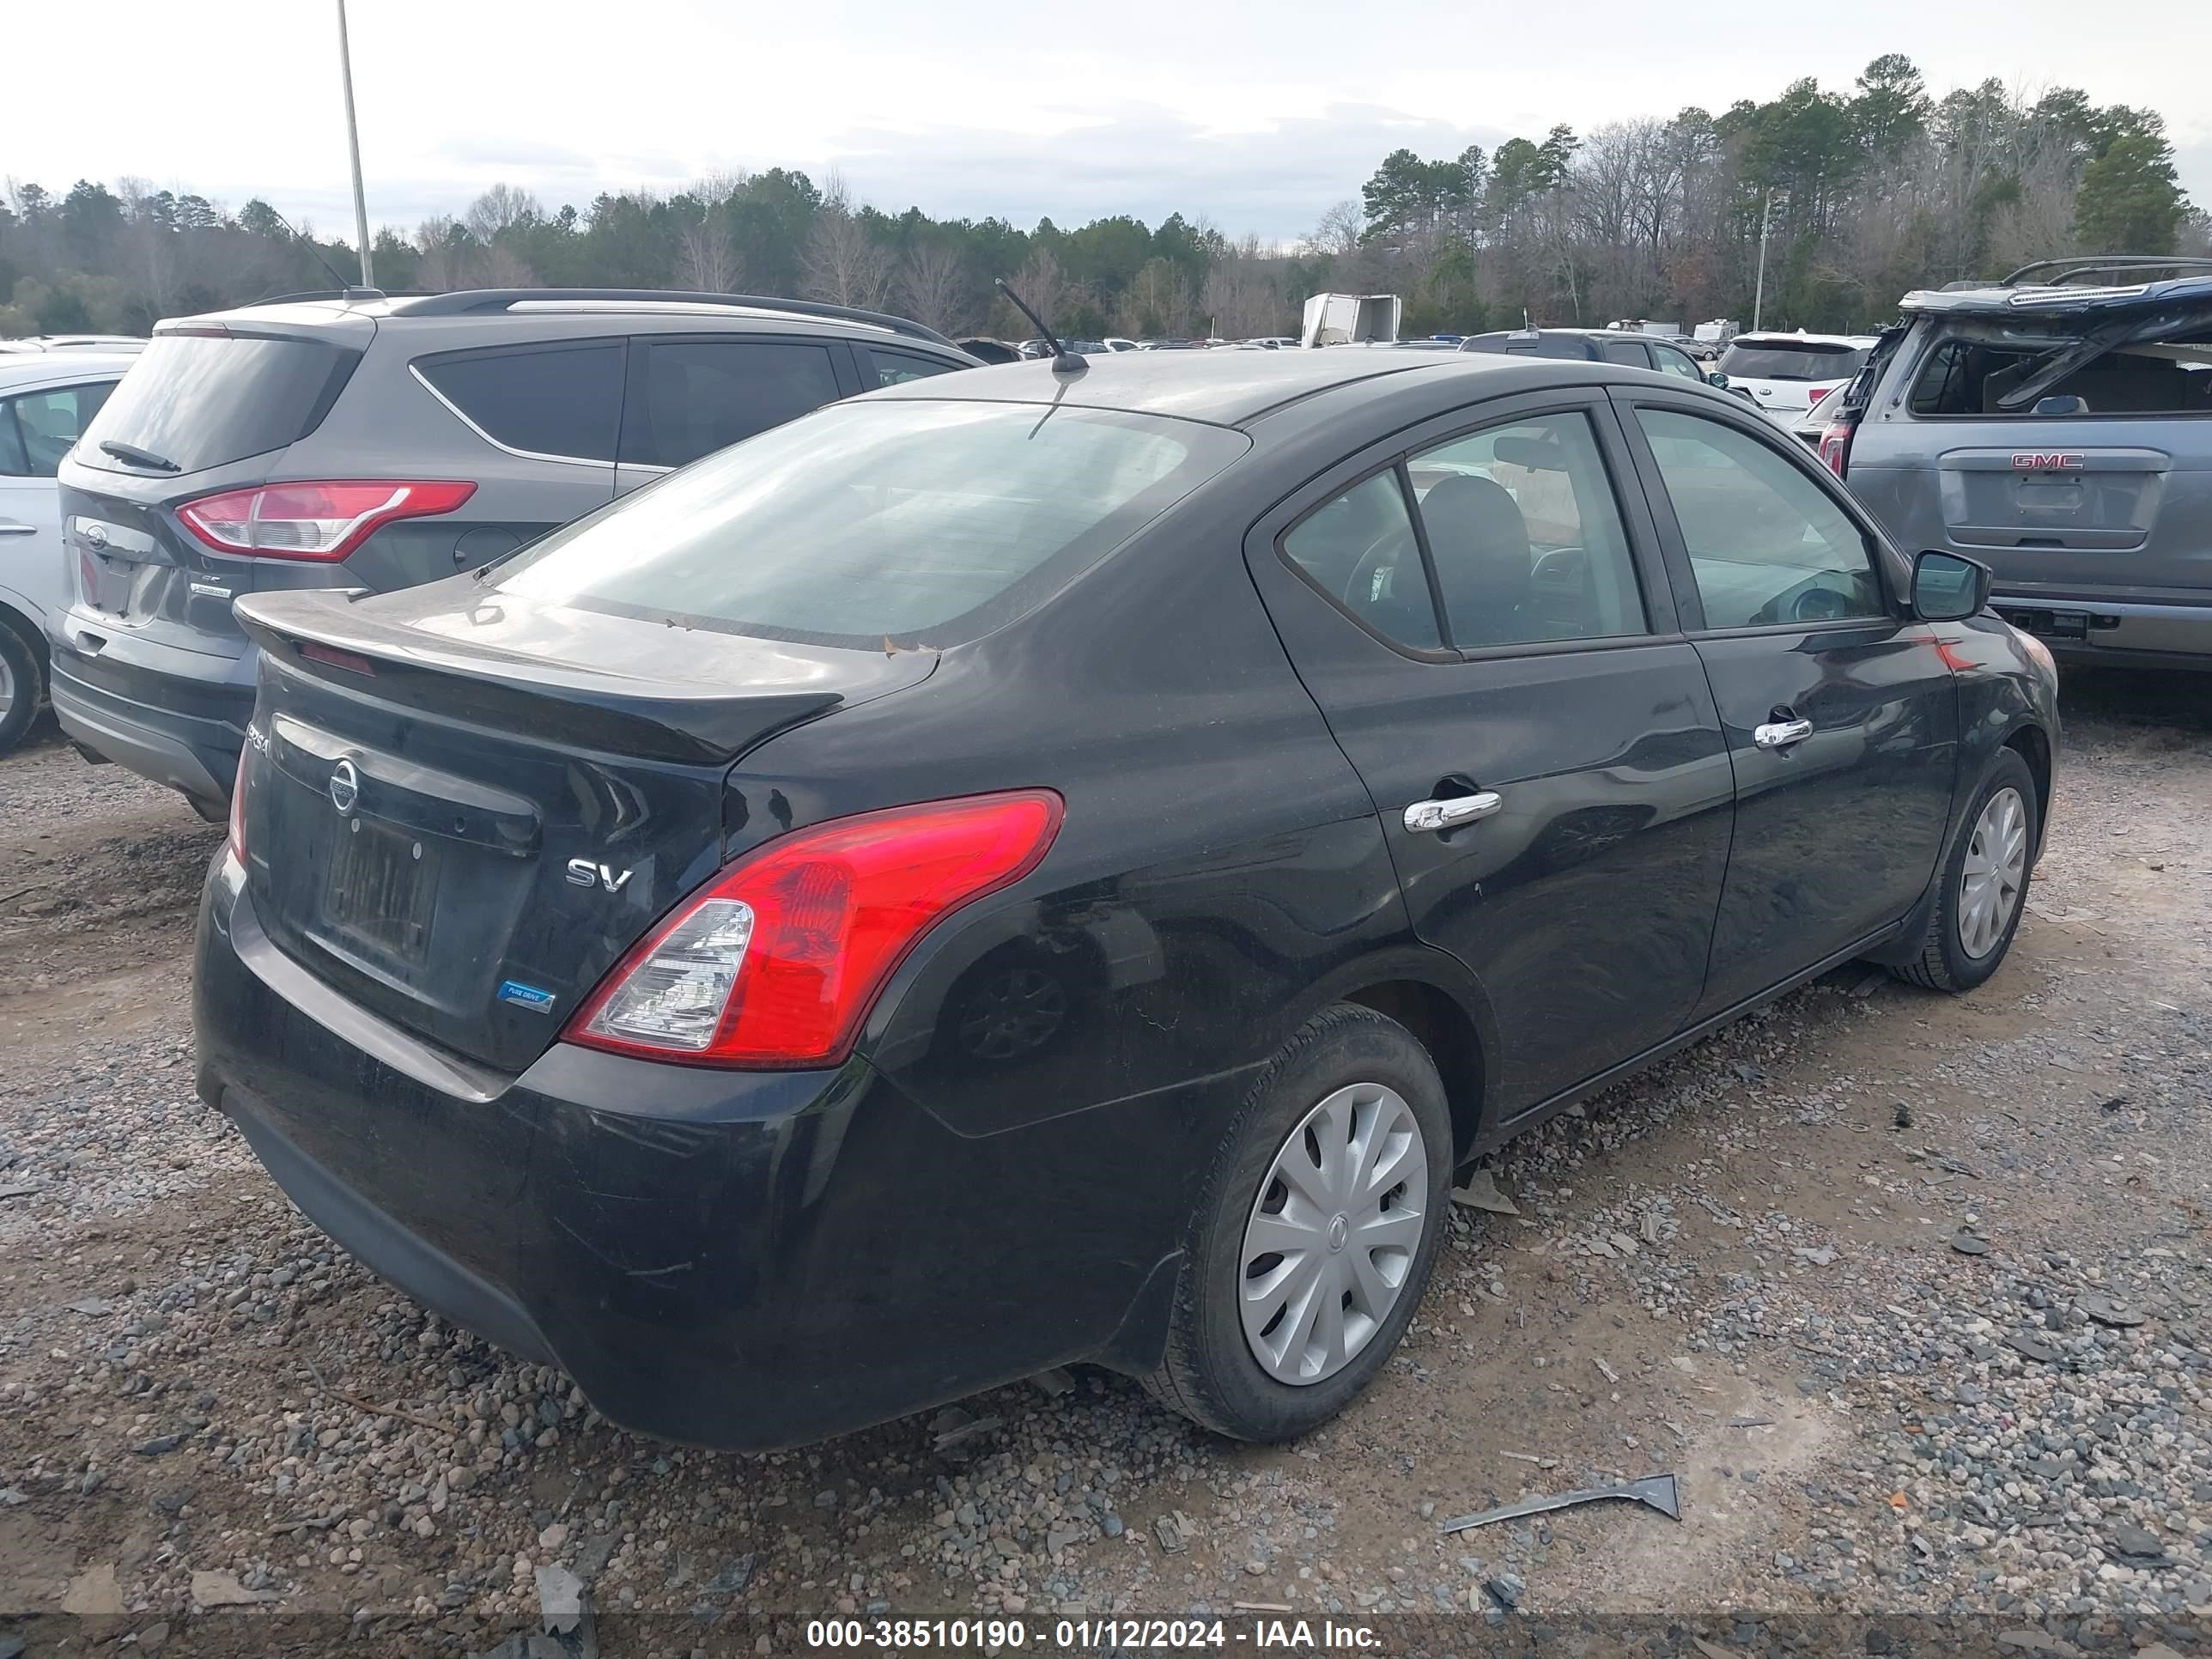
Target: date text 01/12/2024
[1287, 1635]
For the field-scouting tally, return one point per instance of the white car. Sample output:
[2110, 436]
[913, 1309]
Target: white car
[46, 398]
[1115, 342]
[1786, 376]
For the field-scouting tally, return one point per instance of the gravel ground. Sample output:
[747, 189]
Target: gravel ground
[1906, 1291]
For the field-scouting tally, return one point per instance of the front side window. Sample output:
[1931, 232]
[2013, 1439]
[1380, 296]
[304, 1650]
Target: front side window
[37, 428]
[705, 395]
[564, 402]
[1360, 549]
[1672, 361]
[923, 522]
[1526, 537]
[1766, 544]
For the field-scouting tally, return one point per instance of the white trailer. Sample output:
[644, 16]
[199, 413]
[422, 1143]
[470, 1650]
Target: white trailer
[1351, 318]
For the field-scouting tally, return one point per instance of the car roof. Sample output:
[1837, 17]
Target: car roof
[1230, 388]
[1998, 299]
[20, 371]
[1793, 336]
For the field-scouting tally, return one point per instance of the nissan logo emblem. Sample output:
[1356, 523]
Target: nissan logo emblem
[345, 787]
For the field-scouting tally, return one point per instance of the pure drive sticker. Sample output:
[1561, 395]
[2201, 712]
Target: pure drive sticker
[526, 996]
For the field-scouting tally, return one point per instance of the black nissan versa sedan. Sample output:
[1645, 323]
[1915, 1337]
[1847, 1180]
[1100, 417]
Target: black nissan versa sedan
[1036, 866]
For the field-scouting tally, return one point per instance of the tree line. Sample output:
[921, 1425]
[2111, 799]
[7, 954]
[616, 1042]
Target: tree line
[1857, 196]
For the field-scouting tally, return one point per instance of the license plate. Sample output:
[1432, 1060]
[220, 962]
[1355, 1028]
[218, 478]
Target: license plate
[381, 892]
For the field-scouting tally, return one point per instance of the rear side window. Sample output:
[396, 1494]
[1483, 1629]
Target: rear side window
[923, 522]
[1775, 359]
[699, 396]
[37, 428]
[1630, 354]
[1360, 549]
[202, 400]
[561, 402]
[897, 367]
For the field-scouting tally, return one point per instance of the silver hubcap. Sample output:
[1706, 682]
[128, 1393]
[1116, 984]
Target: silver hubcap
[1332, 1236]
[1996, 868]
[7, 689]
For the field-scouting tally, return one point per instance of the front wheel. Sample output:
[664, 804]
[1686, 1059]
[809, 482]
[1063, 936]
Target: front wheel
[1985, 883]
[1315, 1233]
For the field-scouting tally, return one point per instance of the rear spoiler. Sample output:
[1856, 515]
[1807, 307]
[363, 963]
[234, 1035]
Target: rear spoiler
[320, 633]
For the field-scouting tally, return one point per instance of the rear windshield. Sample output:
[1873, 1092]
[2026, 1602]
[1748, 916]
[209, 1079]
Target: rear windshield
[920, 522]
[199, 400]
[1773, 360]
[1979, 377]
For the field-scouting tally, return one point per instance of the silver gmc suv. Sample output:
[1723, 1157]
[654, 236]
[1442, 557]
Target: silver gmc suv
[2057, 427]
[358, 440]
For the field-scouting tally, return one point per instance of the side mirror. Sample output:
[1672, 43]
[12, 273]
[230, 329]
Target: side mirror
[1947, 588]
[1715, 378]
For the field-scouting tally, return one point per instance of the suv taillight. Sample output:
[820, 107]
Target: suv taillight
[1835, 446]
[776, 961]
[322, 520]
[238, 812]
[1814, 394]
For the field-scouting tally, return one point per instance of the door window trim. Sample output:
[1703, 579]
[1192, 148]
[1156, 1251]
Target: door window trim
[415, 368]
[1689, 603]
[1655, 580]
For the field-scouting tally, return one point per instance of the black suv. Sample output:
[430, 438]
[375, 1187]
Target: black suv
[1039, 866]
[357, 440]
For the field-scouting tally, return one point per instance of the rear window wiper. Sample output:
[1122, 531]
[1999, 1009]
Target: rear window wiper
[138, 457]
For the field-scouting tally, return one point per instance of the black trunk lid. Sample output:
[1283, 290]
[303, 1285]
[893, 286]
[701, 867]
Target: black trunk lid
[464, 806]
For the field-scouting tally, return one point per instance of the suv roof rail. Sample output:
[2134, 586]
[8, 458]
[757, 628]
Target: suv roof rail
[2054, 272]
[466, 301]
[355, 293]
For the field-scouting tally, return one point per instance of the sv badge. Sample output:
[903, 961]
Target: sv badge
[582, 872]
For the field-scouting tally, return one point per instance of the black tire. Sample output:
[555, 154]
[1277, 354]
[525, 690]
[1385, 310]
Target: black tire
[1943, 962]
[26, 682]
[1209, 1373]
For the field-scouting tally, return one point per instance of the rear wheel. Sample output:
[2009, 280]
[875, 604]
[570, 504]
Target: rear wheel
[1985, 883]
[1315, 1234]
[21, 686]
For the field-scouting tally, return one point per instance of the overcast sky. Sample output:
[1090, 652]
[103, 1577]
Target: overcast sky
[1256, 115]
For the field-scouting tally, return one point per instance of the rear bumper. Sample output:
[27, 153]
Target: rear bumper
[183, 733]
[744, 1261]
[2103, 633]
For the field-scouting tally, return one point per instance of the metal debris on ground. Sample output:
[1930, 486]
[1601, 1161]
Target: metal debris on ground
[1174, 1532]
[560, 1599]
[1970, 1244]
[954, 1427]
[1657, 1492]
[1480, 1193]
[1053, 1383]
[1751, 1422]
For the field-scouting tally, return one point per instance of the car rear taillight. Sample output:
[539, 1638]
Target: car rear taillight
[1835, 447]
[1814, 394]
[238, 812]
[776, 961]
[324, 520]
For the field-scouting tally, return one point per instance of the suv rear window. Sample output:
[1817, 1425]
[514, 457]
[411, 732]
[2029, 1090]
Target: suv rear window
[1774, 360]
[2152, 377]
[201, 400]
[929, 523]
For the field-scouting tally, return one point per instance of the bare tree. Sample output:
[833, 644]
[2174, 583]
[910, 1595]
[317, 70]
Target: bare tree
[843, 263]
[501, 208]
[932, 285]
[705, 259]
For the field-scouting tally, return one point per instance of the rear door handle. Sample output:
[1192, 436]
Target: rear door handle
[12, 527]
[1780, 734]
[1428, 815]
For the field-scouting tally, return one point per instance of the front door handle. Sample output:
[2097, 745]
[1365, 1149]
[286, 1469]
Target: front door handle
[1780, 734]
[1450, 813]
[16, 527]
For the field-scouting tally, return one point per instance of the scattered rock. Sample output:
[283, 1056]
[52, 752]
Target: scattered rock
[223, 1590]
[93, 1593]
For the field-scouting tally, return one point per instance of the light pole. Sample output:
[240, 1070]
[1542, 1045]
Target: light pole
[1758, 295]
[352, 143]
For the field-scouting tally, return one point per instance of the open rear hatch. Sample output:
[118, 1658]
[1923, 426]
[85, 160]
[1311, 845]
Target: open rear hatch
[462, 806]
